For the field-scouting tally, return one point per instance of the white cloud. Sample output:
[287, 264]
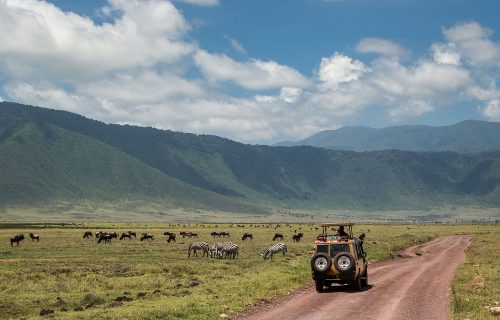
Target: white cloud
[409, 109]
[473, 43]
[381, 46]
[492, 110]
[290, 95]
[445, 54]
[41, 41]
[236, 45]
[254, 74]
[339, 68]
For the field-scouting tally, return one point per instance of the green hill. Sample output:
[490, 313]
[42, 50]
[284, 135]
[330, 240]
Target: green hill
[466, 136]
[51, 157]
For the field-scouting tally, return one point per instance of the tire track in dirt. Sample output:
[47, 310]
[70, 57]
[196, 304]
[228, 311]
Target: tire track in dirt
[407, 288]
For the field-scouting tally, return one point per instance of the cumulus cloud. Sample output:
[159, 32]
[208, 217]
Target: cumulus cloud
[339, 69]
[143, 67]
[40, 40]
[254, 74]
[492, 110]
[472, 42]
[381, 46]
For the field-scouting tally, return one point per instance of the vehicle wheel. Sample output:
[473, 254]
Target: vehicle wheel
[319, 286]
[343, 262]
[321, 263]
[364, 279]
[356, 284]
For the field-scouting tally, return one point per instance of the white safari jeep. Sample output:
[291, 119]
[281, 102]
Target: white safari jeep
[339, 257]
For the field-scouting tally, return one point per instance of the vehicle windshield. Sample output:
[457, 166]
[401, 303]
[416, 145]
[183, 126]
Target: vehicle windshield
[338, 247]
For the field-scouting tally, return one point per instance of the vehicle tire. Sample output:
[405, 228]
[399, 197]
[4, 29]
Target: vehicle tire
[319, 286]
[356, 284]
[321, 263]
[364, 279]
[343, 262]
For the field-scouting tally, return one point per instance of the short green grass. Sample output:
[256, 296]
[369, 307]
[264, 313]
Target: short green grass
[65, 271]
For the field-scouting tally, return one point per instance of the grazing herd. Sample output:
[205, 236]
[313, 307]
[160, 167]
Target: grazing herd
[219, 250]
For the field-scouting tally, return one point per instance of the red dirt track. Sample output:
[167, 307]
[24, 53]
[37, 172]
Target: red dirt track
[408, 287]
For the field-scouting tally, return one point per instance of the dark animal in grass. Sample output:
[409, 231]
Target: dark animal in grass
[125, 235]
[189, 234]
[147, 236]
[246, 236]
[106, 237]
[87, 235]
[296, 237]
[132, 234]
[167, 233]
[215, 234]
[224, 234]
[198, 246]
[34, 237]
[277, 236]
[17, 238]
[171, 237]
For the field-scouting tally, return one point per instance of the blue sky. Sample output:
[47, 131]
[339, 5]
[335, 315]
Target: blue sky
[255, 71]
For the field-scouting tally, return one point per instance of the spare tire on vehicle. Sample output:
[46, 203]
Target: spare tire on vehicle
[321, 262]
[343, 262]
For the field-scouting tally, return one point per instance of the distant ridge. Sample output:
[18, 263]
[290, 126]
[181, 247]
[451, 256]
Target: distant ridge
[465, 137]
[55, 161]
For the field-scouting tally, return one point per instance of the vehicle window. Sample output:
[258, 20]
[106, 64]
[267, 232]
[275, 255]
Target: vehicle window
[322, 248]
[336, 248]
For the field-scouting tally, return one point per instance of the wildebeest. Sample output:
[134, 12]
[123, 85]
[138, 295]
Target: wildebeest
[105, 237]
[88, 234]
[17, 238]
[132, 234]
[277, 236]
[215, 234]
[188, 234]
[224, 234]
[125, 235]
[147, 236]
[198, 246]
[171, 237]
[296, 237]
[246, 236]
[34, 237]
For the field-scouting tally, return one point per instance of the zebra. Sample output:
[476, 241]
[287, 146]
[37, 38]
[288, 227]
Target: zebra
[215, 249]
[230, 250]
[269, 252]
[198, 246]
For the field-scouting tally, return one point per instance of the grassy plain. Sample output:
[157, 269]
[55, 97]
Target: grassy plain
[64, 271]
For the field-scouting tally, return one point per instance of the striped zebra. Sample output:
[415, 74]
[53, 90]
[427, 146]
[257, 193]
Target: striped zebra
[230, 250]
[269, 252]
[198, 246]
[215, 249]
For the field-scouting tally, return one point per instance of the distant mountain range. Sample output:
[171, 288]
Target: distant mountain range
[467, 136]
[58, 159]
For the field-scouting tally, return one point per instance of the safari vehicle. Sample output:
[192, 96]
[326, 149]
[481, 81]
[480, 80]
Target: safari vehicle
[339, 259]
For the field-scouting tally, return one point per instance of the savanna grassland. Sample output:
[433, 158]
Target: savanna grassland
[157, 280]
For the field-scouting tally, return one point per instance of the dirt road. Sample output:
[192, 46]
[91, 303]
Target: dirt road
[409, 287]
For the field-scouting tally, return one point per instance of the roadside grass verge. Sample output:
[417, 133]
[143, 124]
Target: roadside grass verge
[477, 282]
[156, 280]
